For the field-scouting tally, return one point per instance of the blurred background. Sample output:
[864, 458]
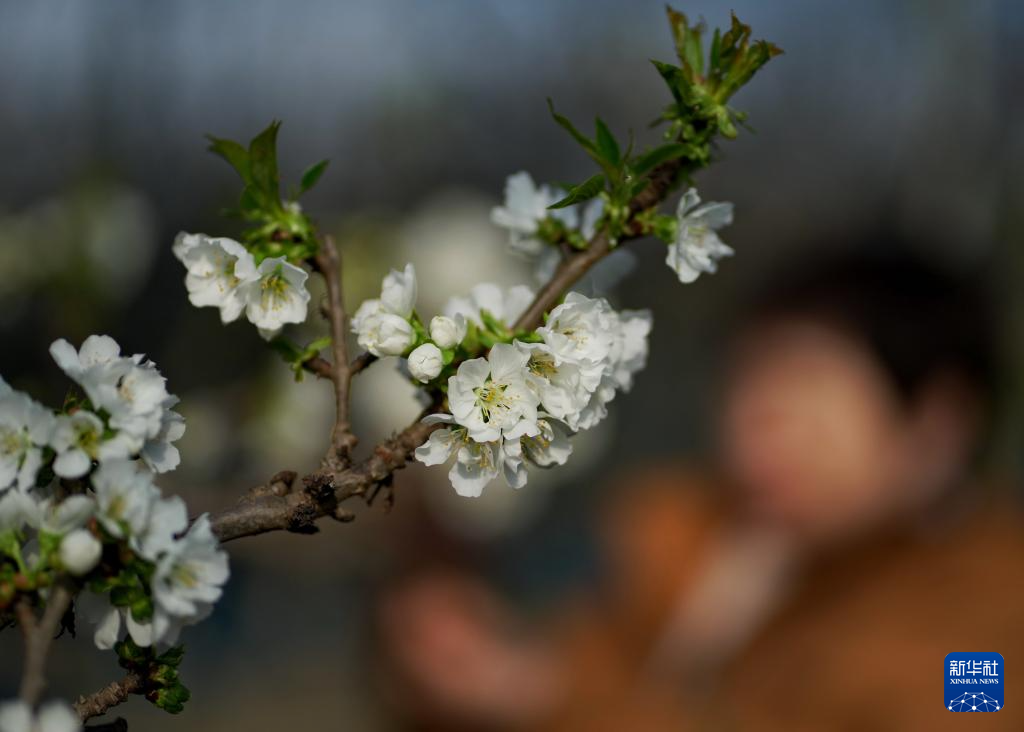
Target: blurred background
[904, 115]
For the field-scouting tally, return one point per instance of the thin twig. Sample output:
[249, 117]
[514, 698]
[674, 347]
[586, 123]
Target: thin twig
[38, 637]
[264, 510]
[117, 692]
[319, 366]
[359, 363]
[572, 267]
[328, 261]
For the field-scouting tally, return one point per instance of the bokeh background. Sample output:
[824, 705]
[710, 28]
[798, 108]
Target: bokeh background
[899, 114]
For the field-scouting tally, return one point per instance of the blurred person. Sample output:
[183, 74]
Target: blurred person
[815, 579]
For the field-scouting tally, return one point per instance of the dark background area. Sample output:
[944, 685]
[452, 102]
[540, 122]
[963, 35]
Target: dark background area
[897, 115]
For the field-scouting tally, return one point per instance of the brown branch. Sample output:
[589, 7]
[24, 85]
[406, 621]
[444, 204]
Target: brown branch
[360, 362]
[38, 637]
[271, 508]
[574, 265]
[328, 261]
[319, 366]
[117, 692]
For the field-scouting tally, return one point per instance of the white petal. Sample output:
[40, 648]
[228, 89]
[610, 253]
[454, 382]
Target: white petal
[72, 464]
[438, 448]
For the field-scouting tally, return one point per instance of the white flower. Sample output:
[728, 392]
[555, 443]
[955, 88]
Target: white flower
[80, 552]
[25, 426]
[158, 453]
[277, 295]
[130, 389]
[426, 362]
[386, 334]
[54, 716]
[513, 469]
[580, 330]
[168, 517]
[137, 400]
[564, 387]
[551, 446]
[630, 351]
[627, 355]
[16, 510]
[125, 497]
[697, 246]
[476, 463]
[398, 291]
[107, 620]
[490, 397]
[504, 305]
[382, 325]
[217, 268]
[79, 439]
[187, 581]
[96, 350]
[448, 332]
[526, 205]
[60, 518]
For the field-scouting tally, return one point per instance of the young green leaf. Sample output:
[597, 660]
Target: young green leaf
[655, 157]
[582, 139]
[263, 163]
[607, 147]
[583, 192]
[312, 175]
[235, 154]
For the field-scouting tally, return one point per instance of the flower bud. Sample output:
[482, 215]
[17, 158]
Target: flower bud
[80, 552]
[425, 362]
[446, 332]
[385, 334]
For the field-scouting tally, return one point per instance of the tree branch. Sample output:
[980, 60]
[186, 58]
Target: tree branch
[328, 261]
[117, 692]
[38, 637]
[277, 507]
[319, 366]
[575, 265]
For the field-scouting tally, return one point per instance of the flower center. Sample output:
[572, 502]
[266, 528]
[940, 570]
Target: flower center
[184, 574]
[543, 366]
[12, 441]
[490, 399]
[275, 288]
[87, 438]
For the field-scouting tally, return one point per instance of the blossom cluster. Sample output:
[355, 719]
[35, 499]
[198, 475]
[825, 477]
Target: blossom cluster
[223, 274]
[694, 246]
[77, 497]
[520, 402]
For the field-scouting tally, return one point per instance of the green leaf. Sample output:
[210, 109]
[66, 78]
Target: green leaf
[607, 147]
[263, 163]
[655, 157]
[583, 192]
[582, 139]
[235, 154]
[312, 175]
[674, 78]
